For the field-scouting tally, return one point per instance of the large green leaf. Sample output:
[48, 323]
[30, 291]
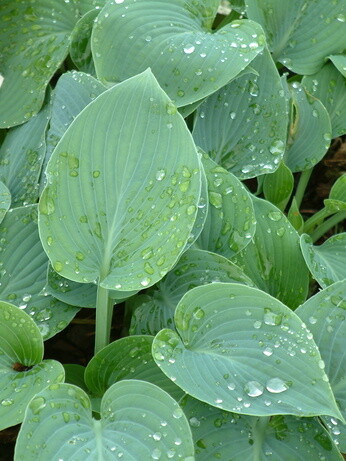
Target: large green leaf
[243, 125]
[273, 259]
[239, 349]
[21, 158]
[34, 41]
[309, 131]
[138, 421]
[5, 200]
[23, 266]
[22, 371]
[301, 33]
[127, 358]
[219, 434]
[230, 223]
[145, 159]
[329, 85]
[155, 310]
[174, 38]
[324, 315]
[327, 262]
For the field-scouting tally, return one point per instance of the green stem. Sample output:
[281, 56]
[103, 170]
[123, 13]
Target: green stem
[302, 184]
[328, 224]
[316, 219]
[104, 312]
[259, 428]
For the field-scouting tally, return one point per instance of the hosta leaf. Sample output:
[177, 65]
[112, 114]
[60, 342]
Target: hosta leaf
[22, 371]
[329, 85]
[127, 358]
[273, 259]
[309, 131]
[5, 200]
[241, 350]
[301, 34]
[230, 222]
[218, 433]
[134, 425]
[243, 125]
[80, 47]
[324, 315]
[195, 267]
[67, 291]
[339, 61]
[23, 266]
[73, 91]
[337, 195]
[147, 161]
[34, 41]
[21, 158]
[326, 262]
[278, 186]
[174, 38]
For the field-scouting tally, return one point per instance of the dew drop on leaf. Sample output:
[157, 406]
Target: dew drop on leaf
[276, 385]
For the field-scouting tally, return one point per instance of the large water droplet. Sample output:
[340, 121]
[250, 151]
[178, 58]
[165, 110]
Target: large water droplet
[253, 388]
[276, 385]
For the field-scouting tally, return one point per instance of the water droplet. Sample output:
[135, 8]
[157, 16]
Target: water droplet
[277, 147]
[171, 108]
[37, 404]
[80, 256]
[7, 402]
[178, 413]
[156, 453]
[276, 385]
[180, 93]
[215, 199]
[268, 351]
[160, 174]
[58, 266]
[275, 215]
[341, 17]
[188, 49]
[253, 389]
[145, 282]
[194, 422]
[198, 313]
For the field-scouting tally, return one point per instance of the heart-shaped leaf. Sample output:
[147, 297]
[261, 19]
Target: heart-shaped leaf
[324, 315]
[34, 41]
[134, 425]
[5, 200]
[218, 433]
[230, 223]
[22, 371]
[243, 125]
[241, 350]
[127, 358]
[326, 262]
[155, 189]
[23, 272]
[309, 131]
[329, 85]
[195, 267]
[273, 259]
[301, 34]
[175, 39]
[80, 46]
[21, 158]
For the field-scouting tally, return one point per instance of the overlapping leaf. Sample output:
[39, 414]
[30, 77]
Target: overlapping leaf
[326, 262]
[218, 433]
[339, 61]
[34, 41]
[21, 158]
[329, 85]
[243, 125]
[175, 39]
[23, 266]
[297, 27]
[230, 223]
[309, 131]
[241, 350]
[146, 160]
[22, 371]
[58, 424]
[278, 186]
[127, 358]
[273, 259]
[155, 311]
[324, 315]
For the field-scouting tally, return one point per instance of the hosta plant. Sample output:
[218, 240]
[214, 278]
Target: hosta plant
[155, 156]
